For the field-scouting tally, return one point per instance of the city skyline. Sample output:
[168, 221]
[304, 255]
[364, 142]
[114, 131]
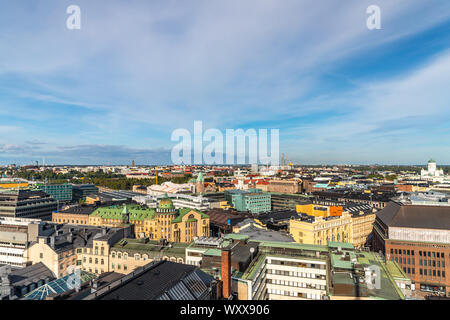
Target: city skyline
[115, 90]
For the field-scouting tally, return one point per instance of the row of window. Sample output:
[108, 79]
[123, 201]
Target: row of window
[119, 267]
[296, 284]
[434, 273]
[102, 261]
[431, 254]
[296, 264]
[296, 274]
[294, 294]
[137, 256]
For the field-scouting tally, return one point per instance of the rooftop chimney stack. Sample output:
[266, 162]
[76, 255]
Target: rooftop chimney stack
[52, 242]
[226, 273]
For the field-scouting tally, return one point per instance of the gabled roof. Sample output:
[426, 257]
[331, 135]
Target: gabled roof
[162, 281]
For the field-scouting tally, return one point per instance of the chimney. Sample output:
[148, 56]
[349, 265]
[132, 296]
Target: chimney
[226, 273]
[52, 242]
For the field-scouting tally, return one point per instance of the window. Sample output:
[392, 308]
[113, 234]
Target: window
[41, 255]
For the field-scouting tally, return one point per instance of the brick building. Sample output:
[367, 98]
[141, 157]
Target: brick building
[417, 237]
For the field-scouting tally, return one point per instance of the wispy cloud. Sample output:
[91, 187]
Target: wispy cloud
[136, 71]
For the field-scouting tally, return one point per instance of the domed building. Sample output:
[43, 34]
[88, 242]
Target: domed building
[163, 222]
[432, 171]
[176, 225]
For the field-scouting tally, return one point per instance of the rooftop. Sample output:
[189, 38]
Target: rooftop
[415, 216]
[136, 245]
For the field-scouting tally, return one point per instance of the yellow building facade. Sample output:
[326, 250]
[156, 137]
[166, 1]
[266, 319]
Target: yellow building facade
[63, 261]
[362, 226]
[351, 228]
[164, 222]
[320, 231]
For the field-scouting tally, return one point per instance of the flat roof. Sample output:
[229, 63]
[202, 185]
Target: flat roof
[292, 245]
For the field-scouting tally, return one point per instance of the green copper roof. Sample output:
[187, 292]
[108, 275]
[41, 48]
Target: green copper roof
[183, 211]
[138, 213]
[117, 212]
[166, 203]
[200, 177]
[431, 160]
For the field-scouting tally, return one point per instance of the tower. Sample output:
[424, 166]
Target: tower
[431, 166]
[199, 185]
[125, 215]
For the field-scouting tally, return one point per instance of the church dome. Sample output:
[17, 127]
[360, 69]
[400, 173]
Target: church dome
[431, 161]
[166, 203]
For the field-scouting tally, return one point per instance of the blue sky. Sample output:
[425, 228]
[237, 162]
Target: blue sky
[137, 70]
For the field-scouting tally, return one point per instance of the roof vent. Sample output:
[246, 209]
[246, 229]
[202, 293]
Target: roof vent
[139, 282]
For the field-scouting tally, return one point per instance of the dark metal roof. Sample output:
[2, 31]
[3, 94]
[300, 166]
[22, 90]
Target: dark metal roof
[30, 274]
[163, 281]
[415, 216]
